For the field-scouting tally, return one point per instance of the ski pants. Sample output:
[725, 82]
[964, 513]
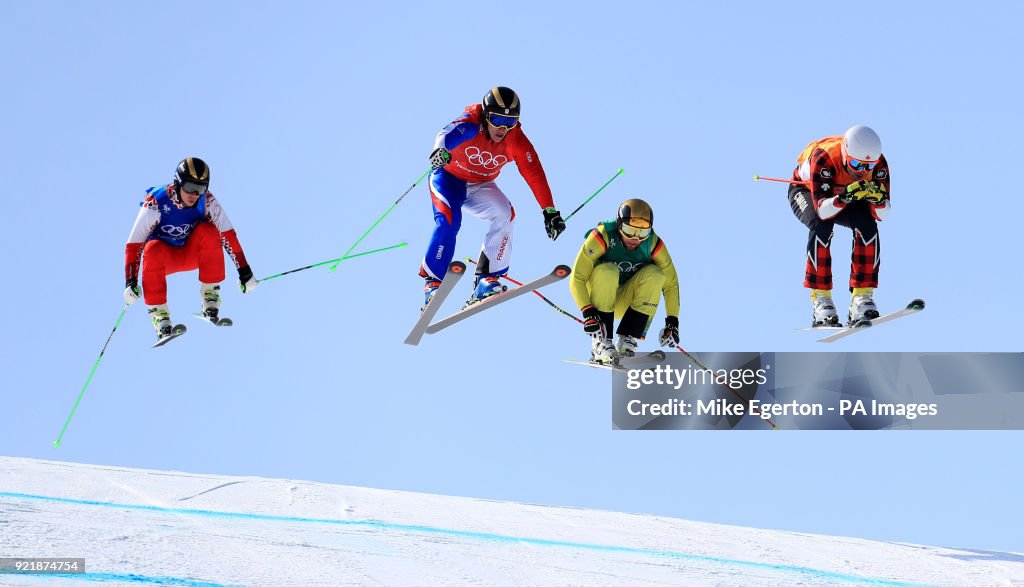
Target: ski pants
[866, 252]
[201, 251]
[641, 293]
[449, 195]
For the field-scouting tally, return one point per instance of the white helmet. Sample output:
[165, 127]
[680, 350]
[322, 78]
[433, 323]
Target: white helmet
[861, 143]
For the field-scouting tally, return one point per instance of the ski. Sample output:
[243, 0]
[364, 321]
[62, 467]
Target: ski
[912, 308]
[596, 365]
[557, 274]
[455, 270]
[217, 322]
[176, 331]
[655, 356]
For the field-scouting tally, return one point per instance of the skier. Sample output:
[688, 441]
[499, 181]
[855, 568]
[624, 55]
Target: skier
[845, 180]
[181, 227]
[622, 270]
[468, 156]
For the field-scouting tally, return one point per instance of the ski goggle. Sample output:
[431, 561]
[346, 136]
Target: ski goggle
[858, 165]
[499, 121]
[193, 188]
[629, 231]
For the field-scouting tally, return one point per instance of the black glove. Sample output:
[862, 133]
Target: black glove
[246, 281]
[553, 223]
[669, 335]
[439, 157]
[592, 323]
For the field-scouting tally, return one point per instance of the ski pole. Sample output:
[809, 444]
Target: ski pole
[780, 180]
[339, 260]
[56, 443]
[406, 192]
[540, 295]
[617, 174]
[705, 368]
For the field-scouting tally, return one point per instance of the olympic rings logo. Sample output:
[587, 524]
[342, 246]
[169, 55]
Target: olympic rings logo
[177, 231]
[628, 267]
[485, 159]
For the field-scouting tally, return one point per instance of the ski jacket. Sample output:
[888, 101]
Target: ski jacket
[604, 245]
[162, 216]
[820, 167]
[476, 158]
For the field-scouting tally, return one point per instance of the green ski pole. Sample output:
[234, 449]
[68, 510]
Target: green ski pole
[350, 249]
[56, 443]
[617, 174]
[338, 260]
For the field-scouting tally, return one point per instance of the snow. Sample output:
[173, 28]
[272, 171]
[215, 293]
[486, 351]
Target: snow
[136, 526]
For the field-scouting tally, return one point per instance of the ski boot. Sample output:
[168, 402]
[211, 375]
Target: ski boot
[602, 350]
[862, 305]
[430, 287]
[210, 293]
[486, 286]
[824, 309]
[161, 318]
[626, 345]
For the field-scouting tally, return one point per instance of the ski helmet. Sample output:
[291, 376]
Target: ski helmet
[635, 219]
[861, 143]
[194, 174]
[503, 103]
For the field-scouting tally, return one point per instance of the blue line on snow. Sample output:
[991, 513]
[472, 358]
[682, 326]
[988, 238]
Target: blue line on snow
[817, 573]
[126, 578]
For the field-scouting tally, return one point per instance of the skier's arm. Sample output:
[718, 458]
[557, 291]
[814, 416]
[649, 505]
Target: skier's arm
[456, 133]
[670, 290]
[820, 171]
[146, 220]
[528, 162]
[229, 239]
[592, 250]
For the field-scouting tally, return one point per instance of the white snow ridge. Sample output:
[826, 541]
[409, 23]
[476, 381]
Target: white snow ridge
[139, 527]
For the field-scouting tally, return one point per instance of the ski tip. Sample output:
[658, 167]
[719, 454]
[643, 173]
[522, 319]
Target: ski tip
[457, 267]
[563, 271]
[916, 305]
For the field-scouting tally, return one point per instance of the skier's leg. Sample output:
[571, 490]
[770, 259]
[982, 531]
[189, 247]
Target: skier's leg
[864, 262]
[156, 256]
[818, 267]
[204, 244]
[604, 287]
[637, 303]
[447, 195]
[866, 257]
[487, 202]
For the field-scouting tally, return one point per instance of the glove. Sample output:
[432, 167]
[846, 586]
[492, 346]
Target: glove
[854, 191]
[553, 223]
[592, 323]
[439, 157]
[132, 293]
[669, 335]
[246, 281]
[875, 193]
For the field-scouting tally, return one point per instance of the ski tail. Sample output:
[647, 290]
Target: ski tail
[455, 271]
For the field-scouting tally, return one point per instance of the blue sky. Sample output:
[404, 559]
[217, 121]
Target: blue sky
[315, 116]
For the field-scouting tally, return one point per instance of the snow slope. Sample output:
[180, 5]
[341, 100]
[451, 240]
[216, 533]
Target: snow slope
[158, 527]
